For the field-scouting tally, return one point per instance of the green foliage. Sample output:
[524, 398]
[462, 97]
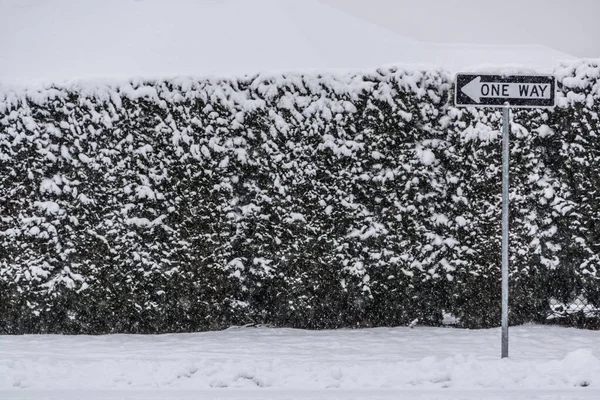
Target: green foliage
[313, 201]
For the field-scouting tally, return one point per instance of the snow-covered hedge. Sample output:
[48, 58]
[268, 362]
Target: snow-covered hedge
[295, 200]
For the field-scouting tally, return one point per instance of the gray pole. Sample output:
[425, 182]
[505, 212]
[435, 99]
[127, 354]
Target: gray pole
[505, 200]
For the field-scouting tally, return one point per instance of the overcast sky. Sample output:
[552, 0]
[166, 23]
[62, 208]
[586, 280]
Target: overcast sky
[571, 26]
[55, 40]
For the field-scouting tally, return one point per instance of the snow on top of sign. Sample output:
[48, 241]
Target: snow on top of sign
[62, 40]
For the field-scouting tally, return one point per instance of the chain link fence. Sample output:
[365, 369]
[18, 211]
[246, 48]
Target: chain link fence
[580, 312]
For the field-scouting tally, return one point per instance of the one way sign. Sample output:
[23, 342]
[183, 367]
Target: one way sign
[486, 90]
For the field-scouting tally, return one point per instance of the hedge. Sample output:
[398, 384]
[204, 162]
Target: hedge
[301, 200]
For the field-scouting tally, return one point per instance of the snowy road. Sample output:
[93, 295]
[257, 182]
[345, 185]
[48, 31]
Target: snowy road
[547, 363]
[268, 394]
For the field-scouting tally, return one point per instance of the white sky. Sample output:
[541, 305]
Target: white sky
[570, 26]
[57, 40]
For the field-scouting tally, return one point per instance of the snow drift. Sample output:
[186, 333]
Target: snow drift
[250, 362]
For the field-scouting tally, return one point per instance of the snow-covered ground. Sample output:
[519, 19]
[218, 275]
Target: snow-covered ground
[253, 363]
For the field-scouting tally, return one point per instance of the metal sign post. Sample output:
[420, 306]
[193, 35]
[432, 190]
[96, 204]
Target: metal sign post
[489, 90]
[505, 200]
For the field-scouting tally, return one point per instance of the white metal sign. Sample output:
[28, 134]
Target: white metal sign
[492, 90]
